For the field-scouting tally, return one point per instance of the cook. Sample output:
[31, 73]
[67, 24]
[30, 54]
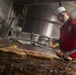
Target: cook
[67, 39]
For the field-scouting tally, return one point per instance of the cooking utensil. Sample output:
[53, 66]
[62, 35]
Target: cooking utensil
[70, 52]
[66, 55]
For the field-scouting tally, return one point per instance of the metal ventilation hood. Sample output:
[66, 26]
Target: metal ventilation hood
[40, 17]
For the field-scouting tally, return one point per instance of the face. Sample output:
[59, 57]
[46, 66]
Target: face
[63, 17]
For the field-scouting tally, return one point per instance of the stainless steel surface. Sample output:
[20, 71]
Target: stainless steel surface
[34, 37]
[40, 48]
[21, 35]
[41, 20]
[4, 42]
[31, 46]
[25, 36]
[43, 40]
[9, 42]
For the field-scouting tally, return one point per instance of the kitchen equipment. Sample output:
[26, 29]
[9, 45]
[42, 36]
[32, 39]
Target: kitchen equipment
[66, 55]
[21, 35]
[69, 52]
[34, 37]
[9, 42]
[43, 40]
[4, 42]
[38, 47]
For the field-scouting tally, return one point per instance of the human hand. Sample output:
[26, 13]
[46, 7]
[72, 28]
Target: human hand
[52, 43]
[59, 53]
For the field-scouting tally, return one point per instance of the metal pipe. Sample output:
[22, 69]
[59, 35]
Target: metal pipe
[9, 28]
[10, 11]
[59, 2]
[25, 8]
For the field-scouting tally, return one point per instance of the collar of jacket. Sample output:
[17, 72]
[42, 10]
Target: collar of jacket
[68, 20]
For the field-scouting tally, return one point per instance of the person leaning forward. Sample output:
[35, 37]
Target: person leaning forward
[67, 39]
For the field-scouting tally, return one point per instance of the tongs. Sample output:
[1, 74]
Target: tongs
[66, 56]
